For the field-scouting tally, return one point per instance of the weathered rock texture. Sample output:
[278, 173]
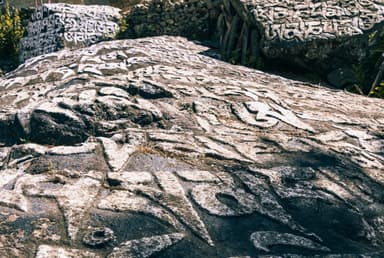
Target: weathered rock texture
[31, 3]
[54, 26]
[149, 147]
[195, 19]
[318, 35]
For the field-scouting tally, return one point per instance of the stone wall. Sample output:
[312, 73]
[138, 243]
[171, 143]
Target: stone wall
[30, 3]
[54, 26]
[194, 19]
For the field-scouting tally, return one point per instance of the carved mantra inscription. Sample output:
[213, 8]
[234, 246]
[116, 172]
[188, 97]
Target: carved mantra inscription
[53, 26]
[308, 19]
[144, 146]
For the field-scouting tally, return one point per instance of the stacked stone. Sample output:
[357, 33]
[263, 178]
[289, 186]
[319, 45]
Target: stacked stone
[191, 18]
[55, 26]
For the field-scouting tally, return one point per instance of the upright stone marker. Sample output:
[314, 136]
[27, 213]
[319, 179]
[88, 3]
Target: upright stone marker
[55, 26]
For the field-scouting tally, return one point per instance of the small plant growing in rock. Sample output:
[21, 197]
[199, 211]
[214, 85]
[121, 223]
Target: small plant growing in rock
[370, 71]
[123, 26]
[378, 90]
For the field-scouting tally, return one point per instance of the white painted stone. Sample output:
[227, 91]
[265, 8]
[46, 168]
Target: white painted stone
[262, 240]
[206, 195]
[116, 155]
[174, 198]
[145, 247]
[197, 176]
[123, 201]
[127, 178]
[73, 150]
[49, 251]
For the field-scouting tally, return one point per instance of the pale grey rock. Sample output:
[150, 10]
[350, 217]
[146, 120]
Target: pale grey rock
[13, 200]
[198, 176]
[149, 137]
[218, 149]
[148, 106]
[125, 178]
[49, 251]
[244, 115]
[262, 240]
[145, 247]
[116, 155]
[4, 152]
[74, 197]
[267, 116]
[9, 198]
[206, 195]
[174, 197]
[88, 147]
[123, 201]
[87, 96]
[28, 149]
[75, 200]
[8, 176]
[114, 91]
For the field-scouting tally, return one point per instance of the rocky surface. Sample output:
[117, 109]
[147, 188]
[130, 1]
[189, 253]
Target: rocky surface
[150, 147]
[195, 19]
[55, 26]
[29, 3]
[322, 36]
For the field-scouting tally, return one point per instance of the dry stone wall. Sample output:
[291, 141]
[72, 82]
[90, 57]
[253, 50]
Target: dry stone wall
[54, 26]
[191, 18]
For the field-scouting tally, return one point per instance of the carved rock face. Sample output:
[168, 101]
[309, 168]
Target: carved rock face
[307, 20]
[54, 26]
[317, 35]
[148, 147]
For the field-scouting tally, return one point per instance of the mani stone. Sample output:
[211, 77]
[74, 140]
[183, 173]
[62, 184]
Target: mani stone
[318, 35]
[55, 26]
[151, 148]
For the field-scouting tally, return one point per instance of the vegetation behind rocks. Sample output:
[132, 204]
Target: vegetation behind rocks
[11, 31]
[369, 72]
